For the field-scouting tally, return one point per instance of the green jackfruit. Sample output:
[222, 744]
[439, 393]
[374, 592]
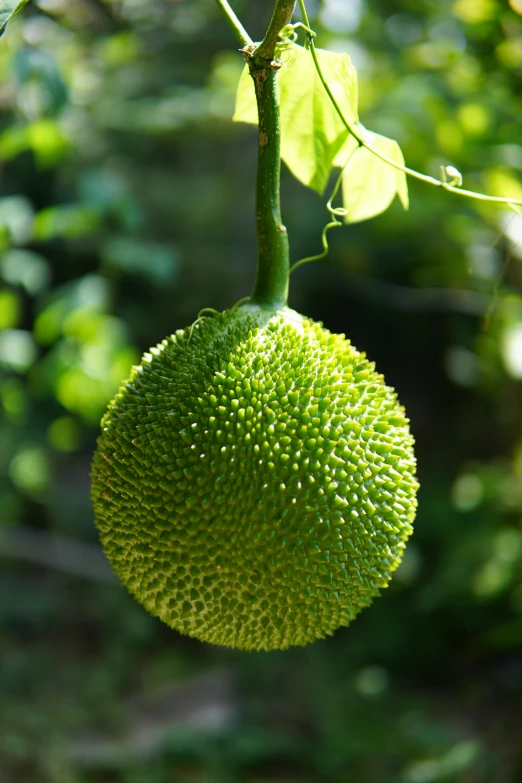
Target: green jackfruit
[254, 483]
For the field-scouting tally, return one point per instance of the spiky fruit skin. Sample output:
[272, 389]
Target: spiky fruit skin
[254, 483]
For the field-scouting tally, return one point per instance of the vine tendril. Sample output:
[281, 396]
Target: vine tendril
[204, 313]
[336, 213]
[288, 37]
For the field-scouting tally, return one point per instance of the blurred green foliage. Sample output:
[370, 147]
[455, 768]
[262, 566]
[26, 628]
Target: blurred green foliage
[126, 205]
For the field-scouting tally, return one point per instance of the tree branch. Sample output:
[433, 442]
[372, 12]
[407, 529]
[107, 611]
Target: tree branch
[281, 17]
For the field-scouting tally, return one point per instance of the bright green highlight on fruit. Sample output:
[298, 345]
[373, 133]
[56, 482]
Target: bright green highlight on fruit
[254, 483]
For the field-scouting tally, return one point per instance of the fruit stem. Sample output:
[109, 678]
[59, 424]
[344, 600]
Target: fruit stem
[273, 263]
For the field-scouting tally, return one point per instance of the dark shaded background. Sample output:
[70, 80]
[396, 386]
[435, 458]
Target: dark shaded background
[126, 206]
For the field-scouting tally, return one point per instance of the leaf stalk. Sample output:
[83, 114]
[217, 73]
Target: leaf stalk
[235, 24]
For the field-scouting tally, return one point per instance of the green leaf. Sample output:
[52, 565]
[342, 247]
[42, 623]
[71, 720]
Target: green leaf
[246, 107]
[43, 136]
[311, 131]
[68, 220]
[370, 184]
[7, 9]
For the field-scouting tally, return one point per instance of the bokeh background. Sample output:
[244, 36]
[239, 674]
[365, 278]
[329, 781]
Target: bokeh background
[126, 206]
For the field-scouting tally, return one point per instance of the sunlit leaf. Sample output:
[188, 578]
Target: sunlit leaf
[312, 132]
[88, 296]
[29, 469]
[13, 400]
[69, 220]
[64, 433]
[10, 309]
[7, 9]
[44, 137]
[314, 138]
[370, 184]
[83, 375]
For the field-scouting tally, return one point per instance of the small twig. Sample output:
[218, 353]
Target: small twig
[236, 26]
